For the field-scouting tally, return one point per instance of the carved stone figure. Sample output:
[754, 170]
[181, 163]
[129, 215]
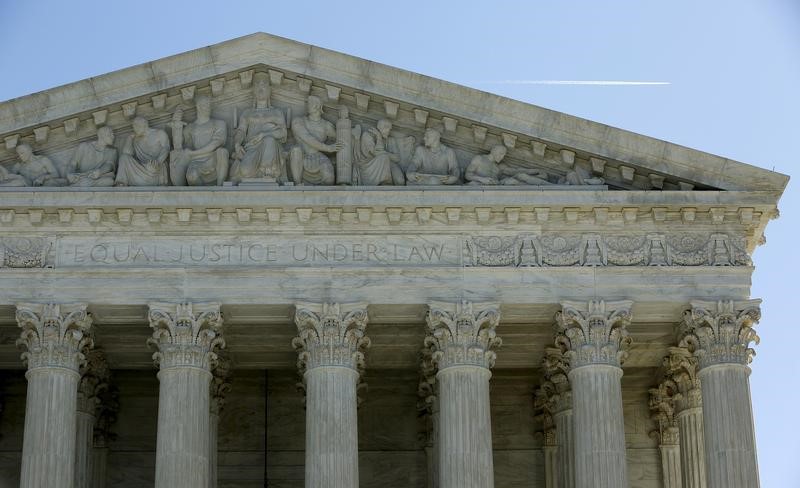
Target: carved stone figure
[376, 163]
[433, 163]
[9, 178]
[258, 137]
[199, 158]
[307, 160]
[486, 169]
[144, 156]
[94, 163]
[34, 170]
[580, 176]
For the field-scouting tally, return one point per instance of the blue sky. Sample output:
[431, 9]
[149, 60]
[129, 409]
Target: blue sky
[733, 69]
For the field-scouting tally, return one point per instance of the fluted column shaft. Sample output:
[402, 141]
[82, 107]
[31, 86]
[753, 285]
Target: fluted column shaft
[182, 442]
[693, 463]
[84, 458]
[671, 465]
[599, 427]
[331, 427]
[550, 466]
[186, 336]
[48, 447]
[213, 457]
[465, 440]
[99, 467]
[565, 457]
[728, 427]
[330, 346]
[54, 336]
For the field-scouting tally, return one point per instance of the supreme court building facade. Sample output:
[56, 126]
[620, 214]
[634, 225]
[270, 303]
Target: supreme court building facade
[263, 263]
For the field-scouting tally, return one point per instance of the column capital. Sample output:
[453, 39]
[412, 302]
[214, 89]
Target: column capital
[330, 334]
[721, 332]
[95, 376]
[220, 384]
[463, 333]
[54, 335]
[427, 404]
[680, 366]
[594, 332]
[662, 412]
[185, 334]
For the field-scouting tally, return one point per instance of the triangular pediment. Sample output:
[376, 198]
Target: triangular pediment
[53, 122]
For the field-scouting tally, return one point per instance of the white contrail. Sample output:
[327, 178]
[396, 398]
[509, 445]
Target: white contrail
[575, 82]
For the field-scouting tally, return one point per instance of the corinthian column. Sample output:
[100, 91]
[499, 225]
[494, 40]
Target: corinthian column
[719, 334]
[428, 406]
[681, 369]
[94, 381]
[555, 367]
[330, 347]
[662, 410]
[185, 336]
[594, 338]
[462, 336]
[220, 386]
[54, 336]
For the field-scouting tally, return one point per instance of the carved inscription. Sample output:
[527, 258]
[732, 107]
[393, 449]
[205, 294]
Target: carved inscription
[300, 251]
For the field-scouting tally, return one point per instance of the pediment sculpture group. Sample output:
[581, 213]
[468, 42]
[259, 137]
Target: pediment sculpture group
[323, 153]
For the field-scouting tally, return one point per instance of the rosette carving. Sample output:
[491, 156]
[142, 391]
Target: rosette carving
[594, 332]
[330, 334]
[721, 332]
[462, 333]
[54, 335]
[186, 334]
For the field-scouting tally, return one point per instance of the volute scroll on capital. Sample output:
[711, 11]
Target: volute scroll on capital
[54, 335]
[185, 334]
[681, 367]
[594, 332]
[463, 333]
[94, 382]
[662, 412]
[331, 334]
[721, 332]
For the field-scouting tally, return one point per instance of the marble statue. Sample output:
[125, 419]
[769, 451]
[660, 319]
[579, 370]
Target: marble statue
[199, 157]
[94, 163]
[9, 178]
[579, 175]
[35, 170]
[487, 169]
[258, 137]
[307, 160]
[144, 156]
[376, 163]
[433, 163]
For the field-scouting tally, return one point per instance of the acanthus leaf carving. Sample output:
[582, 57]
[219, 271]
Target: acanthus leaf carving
[662, 412]
[185, 334]
[220, 383]
[554, 395]
[462, 333]
[54, 335]
[95, 377]
[680, 367]
[721, 332]
[330, 334]
[594, 332]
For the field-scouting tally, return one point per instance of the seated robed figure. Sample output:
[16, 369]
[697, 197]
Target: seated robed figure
[143, 161]
[94, 163]
[32, 170]
[199, 157]
[258, 138]
[433, 163]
